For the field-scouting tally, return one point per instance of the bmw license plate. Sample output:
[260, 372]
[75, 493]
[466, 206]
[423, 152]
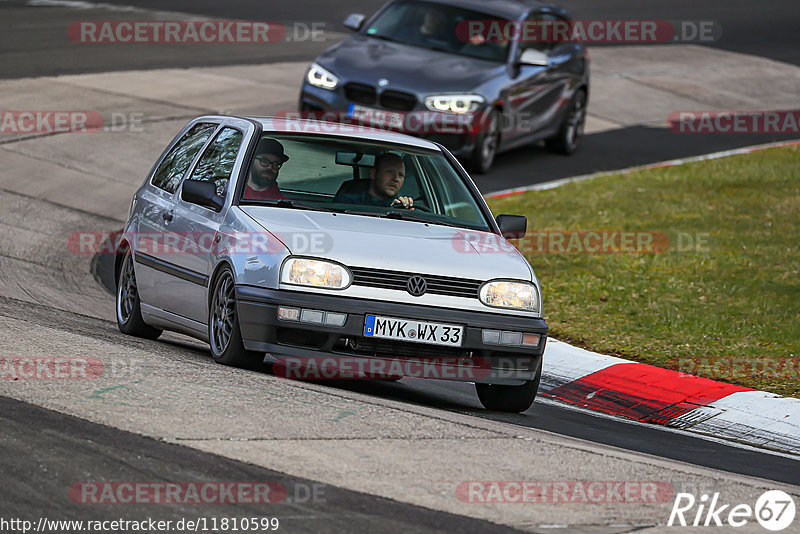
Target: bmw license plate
[376, 117]
[411, 330]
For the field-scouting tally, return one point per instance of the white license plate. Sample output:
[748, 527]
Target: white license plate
[411, 330]
[376, 117]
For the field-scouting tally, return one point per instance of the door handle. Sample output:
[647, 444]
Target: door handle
[167, 216]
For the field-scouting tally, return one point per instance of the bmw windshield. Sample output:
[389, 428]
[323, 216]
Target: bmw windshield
[362, 178]
[439, 27]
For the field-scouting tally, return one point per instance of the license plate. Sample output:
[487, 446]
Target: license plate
[376, 117]
[411, 330]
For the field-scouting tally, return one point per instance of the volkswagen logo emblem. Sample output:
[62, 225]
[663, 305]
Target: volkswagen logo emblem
[416, 286]
[383, 82]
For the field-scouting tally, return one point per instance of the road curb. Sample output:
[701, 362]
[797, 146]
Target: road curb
[659, 396]
[670, 163]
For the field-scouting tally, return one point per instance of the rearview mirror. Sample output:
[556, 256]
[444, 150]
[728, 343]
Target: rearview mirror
[534, 57]
[354, 21]
[202, 193]
[512, 226]
[353, 158]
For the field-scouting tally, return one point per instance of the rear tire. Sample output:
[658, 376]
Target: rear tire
[224, 334]
[514, 399]
[129, 306]
[569, 136]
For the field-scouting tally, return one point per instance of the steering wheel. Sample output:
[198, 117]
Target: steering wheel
[421, 207]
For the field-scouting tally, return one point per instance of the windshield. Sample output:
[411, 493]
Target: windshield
[440, 27]
[362, 178]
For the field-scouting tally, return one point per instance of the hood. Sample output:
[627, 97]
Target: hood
[361, 241]
[366, 60]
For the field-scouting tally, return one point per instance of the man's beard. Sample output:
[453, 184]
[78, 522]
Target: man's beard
[262, 181]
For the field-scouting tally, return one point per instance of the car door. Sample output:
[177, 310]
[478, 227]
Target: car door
[157, 203]
[196, 227]
[533, 96]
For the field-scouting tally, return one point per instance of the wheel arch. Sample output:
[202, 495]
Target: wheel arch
[213, 278]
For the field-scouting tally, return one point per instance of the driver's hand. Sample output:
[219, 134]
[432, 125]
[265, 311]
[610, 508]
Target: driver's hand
[404, 202]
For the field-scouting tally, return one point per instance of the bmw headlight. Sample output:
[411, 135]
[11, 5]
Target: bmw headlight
[316, 273]
[321, 77]
[509, 294]
[454, 103]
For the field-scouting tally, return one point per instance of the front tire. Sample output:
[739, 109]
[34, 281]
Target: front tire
[569, 136]
[224, 334]
[514, 399]
[486, 145]
[129, 305]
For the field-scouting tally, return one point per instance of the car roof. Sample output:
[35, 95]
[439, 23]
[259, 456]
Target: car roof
[507, 9]
[292, 125]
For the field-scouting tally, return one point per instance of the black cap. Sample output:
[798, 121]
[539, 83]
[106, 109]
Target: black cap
[271, 146]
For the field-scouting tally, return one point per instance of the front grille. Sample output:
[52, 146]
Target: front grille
[438, 285]
[398, 100]
[360, 93]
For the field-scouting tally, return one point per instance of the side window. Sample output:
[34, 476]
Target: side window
[544, 32]
[216, 163]
[172, 168]
[455, 199]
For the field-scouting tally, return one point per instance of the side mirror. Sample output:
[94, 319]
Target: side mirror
[354, 21]
[512, 226]
[534, 57]
[203, 193]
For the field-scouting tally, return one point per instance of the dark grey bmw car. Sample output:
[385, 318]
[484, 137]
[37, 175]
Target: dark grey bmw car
[477, 76]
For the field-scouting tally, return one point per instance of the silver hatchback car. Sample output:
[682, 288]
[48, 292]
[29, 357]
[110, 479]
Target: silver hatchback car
[331, 251]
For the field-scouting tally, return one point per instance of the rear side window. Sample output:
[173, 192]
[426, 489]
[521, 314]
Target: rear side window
[172, 168]
[216, 163]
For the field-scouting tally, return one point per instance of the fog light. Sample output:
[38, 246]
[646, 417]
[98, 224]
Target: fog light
[312, 316]
[288, 314]
[530, 340]
[491, 337]
[335, 319]
[511, 338]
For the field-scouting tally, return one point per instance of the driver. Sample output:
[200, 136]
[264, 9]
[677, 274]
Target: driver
[386, 180]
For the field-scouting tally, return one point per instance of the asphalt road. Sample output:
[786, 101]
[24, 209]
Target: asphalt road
[45, 453]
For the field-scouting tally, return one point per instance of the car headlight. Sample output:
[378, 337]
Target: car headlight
[508, 294]
[316, 273]
[321, 77]
[454, 103]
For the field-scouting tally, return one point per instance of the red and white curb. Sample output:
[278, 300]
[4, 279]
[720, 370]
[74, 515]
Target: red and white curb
[660, 396]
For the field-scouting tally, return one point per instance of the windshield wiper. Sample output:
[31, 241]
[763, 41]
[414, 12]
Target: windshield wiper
[411, 216]
[287, 203]
[385, 38]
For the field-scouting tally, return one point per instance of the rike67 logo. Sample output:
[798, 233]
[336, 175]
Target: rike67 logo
[774, 510]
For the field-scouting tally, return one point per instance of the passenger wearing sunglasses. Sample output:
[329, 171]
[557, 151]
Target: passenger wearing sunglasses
[267, 163]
